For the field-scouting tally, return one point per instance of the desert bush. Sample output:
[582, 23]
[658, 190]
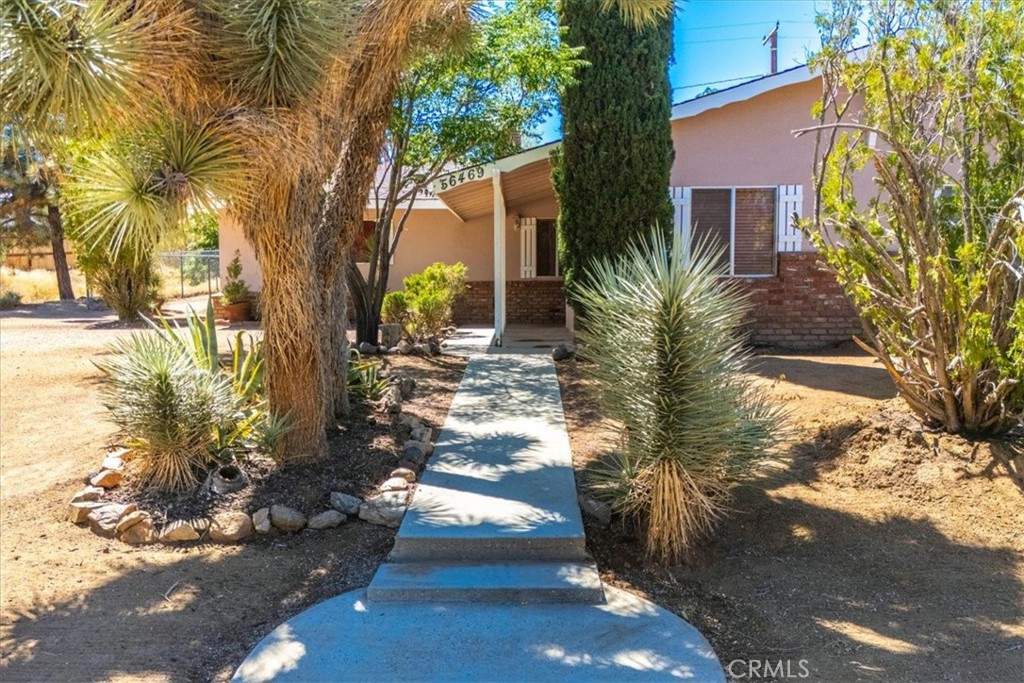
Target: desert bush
[235, 290]
[127, 283]
[180, 407]
[424, 307]
[9, 300]
[662, 338]
[935, 262]
[167, 409]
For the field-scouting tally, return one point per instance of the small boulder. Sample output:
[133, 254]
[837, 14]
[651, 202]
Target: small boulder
[286, 518]
[326, 520]
[114, 460]
[404, 347]
[393, 351]
[140, 533]
[131, 519]
[89, 494]
[382, 349]
[261, 521]
[78, 513]
[423, 349]
[423, 434]
[390, 334]
[409, 420]
[406, 465]
[344, 503]
[598, 511]
[561, 352]
[386, 509]
[414, 452]
[404, 473]
[406, 385]
[231, 526]
[367, 348]
[178, 531]
[103, 520]
[394, 484]
[107, 479]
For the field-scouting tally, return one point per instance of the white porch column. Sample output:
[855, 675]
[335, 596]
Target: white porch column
[499, 259]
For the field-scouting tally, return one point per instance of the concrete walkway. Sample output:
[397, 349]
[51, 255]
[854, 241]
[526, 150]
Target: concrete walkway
[489, 578]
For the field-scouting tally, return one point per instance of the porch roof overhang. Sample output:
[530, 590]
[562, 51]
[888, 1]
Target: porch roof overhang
[525, 177]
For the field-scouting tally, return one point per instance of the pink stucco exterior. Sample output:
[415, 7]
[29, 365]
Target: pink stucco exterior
[731, 139]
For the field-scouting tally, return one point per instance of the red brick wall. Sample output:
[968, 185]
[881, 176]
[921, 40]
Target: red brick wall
[804, 307]
[529, 302]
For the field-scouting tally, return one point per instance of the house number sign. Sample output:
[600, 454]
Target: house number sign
[447, 182]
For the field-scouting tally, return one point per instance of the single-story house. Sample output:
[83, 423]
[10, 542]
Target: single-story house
[739, 172]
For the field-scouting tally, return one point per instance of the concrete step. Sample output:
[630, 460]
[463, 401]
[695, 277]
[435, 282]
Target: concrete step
[507, 582]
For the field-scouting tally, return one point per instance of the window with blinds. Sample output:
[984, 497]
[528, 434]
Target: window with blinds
[741, 222]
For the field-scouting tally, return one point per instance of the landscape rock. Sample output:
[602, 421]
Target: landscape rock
[88, 495]
[140, 533]
[423, 349]
[108, 479]
[286, 518]
[326, 520]
[393, 400]
[406, 385]
[404, 347]
[561, 352]
[382, 349]
[103, 520]
[344, 503]
[393, 350]
[366, 348]
[415, 452]
[261, 521]
[114, 460]
[406, 465]
[78, 513]
[178, 531]
[386, 509]
[231, 526]
[410, 421]
[131, 519]
[423, 434]
[405, 473]
[394, 484]
[596, 510]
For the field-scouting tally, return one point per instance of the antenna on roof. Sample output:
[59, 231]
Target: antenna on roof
[773, 39]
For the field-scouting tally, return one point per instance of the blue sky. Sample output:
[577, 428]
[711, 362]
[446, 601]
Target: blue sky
[717, 41]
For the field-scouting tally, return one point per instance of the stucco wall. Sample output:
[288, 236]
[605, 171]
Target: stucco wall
[231, 238]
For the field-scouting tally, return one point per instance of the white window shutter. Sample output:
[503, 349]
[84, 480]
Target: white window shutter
[528, 247]
[681, 218]
[791, 201]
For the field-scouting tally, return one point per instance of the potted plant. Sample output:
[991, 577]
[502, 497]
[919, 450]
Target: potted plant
[234, 304]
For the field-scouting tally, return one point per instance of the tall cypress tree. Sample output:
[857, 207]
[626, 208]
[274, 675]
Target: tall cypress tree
[611, 174]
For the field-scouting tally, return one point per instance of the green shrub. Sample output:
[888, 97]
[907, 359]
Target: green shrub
[235, 290]
[424, 307]
[9, 300]
[127, 282]
[180, 407]
[663, 342]
[395, 309]
[167, 409]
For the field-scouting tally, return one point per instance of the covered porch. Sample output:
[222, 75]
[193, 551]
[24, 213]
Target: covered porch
[514, 195]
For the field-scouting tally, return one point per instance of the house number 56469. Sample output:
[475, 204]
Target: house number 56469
[447, 182]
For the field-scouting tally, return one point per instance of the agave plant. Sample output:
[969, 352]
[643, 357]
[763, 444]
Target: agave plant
[663, 340]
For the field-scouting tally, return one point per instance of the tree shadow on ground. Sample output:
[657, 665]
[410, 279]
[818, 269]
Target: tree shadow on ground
[141, 624]
[868, 381]
[859, 596]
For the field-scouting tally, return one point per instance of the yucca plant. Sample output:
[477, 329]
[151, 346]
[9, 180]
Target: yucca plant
[662, 337]
[168, 409]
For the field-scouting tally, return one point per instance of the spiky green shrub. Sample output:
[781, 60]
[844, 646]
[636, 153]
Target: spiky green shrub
[167, 408]
[9, 301]
[663, 341]
[395, 309]
[364, 378]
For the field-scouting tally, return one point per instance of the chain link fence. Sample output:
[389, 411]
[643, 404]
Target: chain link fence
[195, 271]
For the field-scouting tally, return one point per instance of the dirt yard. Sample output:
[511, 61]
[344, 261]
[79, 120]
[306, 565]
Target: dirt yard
[77, 607]
[868, 549]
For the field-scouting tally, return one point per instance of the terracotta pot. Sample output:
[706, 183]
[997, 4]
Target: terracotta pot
[236, 312]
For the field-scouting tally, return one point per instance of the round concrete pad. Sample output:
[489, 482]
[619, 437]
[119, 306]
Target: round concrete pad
[349, 639]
